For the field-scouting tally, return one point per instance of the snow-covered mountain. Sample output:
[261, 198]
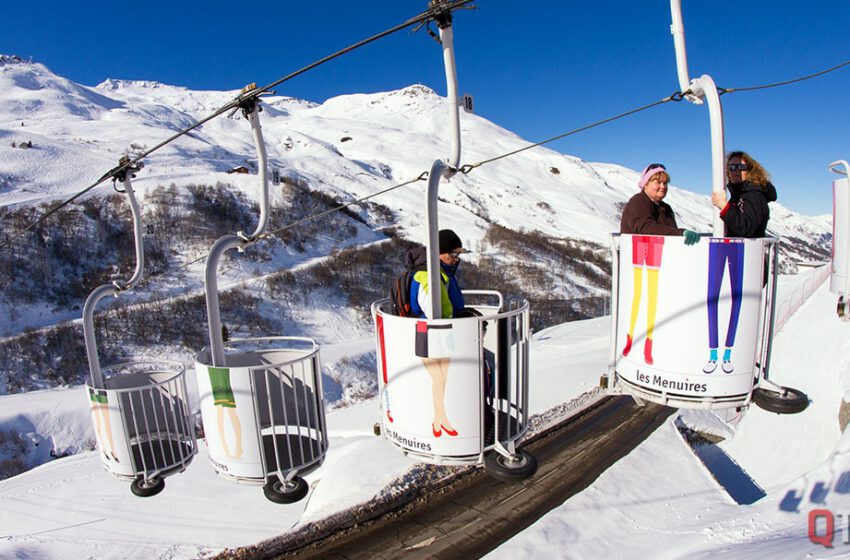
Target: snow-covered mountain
[538, 222]
[57, 137]
[349, 146]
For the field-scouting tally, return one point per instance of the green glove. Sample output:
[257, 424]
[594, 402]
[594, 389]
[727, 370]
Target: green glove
[691, 237]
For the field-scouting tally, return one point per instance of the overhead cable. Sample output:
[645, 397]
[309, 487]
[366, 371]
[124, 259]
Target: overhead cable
[422, 177]
[470, 166]
[424, 17]
[786, 82]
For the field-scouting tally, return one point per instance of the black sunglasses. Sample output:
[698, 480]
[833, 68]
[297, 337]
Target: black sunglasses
[738, 167]
[652, 166]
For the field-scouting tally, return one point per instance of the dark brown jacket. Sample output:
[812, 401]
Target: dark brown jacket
[643, 216]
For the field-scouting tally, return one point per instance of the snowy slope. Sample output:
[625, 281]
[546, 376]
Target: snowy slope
[660, 490]
[79, 132]
[390, 137]
[660, 501]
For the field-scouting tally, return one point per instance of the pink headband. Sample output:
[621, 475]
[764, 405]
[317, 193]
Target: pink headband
[649, 171]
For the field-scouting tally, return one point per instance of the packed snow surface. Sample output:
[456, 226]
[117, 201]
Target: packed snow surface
[660, 501]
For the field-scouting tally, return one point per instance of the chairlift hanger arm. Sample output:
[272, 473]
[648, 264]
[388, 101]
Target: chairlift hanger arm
[423, 17]
[123, 172]
[841, 162]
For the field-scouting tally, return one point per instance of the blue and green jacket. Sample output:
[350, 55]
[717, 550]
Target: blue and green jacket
[450, 295]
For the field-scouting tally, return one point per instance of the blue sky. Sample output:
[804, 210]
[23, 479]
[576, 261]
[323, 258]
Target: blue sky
[536, 67]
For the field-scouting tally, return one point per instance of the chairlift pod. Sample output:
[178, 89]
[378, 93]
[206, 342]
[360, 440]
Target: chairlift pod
[263, 413]
[718, 294]
[261, 399]
[483, 385]
[458, 369]
[140, 410]
[839, 280]
[672, 304]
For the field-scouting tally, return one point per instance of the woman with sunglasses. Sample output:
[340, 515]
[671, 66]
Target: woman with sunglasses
[745, 213]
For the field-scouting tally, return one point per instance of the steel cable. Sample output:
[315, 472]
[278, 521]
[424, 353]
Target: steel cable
[786, 82]
[470, 166]
[241, 98]
[423, 176]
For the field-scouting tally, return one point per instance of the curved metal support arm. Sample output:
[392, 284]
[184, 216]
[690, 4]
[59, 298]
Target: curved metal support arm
[262, 163]
[113, 289]
[221, 246]
[238, 241]
[704, 87]
[677, 29]
[432, 245]
[701, 88]
[447, 39]
[841, 162]
[137, 236]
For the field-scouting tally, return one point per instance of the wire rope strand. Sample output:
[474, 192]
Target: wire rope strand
[788, 82]
[423, 17]
[469, 167]
[423, 176]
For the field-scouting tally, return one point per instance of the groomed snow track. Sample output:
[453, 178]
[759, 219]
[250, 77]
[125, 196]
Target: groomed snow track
[474, 513]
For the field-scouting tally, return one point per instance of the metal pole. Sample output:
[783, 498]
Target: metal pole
[262, 162]
[115, 288]
[238, 241]
[615, 298]
[846, 256]
[441, 169]
[677, 29]
[432, 244]
[447, 38]
[701, 88]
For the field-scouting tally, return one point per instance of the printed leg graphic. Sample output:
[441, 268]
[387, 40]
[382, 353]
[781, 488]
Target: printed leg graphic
[438, 369]
[711, 365]
[104, 430]
[223, 398]
[237, 431]
[102, 423]
[735, 259]
[651, 308]
[219, 420]
[715, 279]
[638, 285]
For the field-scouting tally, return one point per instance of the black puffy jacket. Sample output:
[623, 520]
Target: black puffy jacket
[747, 213]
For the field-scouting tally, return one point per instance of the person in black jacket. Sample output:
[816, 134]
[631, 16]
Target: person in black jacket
[745, 213]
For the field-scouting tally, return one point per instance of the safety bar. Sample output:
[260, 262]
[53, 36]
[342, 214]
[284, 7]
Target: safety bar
[116, 287]
[156, 418]
[235, 241]
[846, 256]
[769, 312]
[288, 422]
[615, 302]
[701, 88]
